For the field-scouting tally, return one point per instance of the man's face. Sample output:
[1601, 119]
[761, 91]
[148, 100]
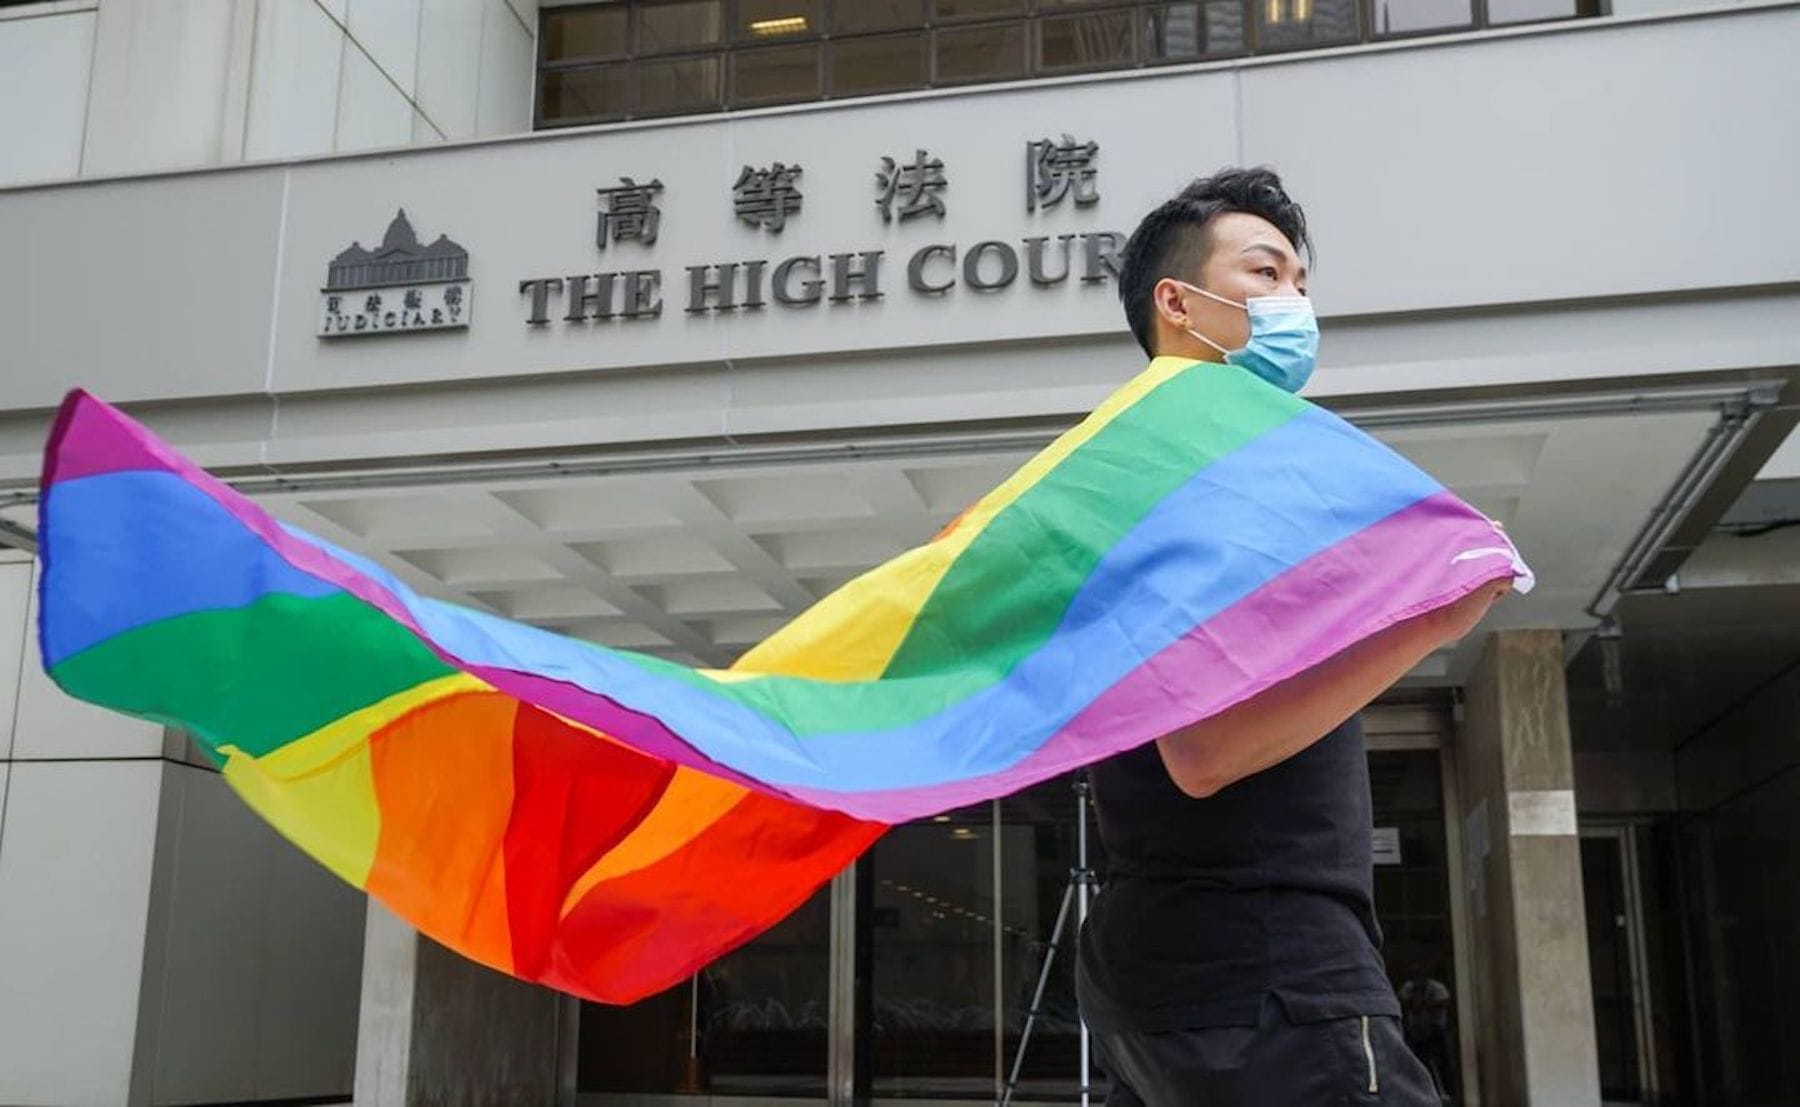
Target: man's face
[1249, 258]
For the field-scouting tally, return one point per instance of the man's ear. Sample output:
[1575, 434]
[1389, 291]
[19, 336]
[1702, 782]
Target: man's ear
[1170, 305]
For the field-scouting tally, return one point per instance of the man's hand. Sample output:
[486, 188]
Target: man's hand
[1456, 620]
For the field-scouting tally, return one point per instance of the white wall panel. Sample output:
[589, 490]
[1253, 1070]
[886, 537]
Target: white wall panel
[507, 69]
[44, 70]
[423, 132]
[372, 113]
[1542, 167]
[158, 98]
[75, 868]
[388, 31]
[294, 84]
[138, 288]
[450, 64]
[15, 626]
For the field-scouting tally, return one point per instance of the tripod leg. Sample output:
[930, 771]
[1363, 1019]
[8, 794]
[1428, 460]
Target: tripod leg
[1037, 996]
[1084, 877]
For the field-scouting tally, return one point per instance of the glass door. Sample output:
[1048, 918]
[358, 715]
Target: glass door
[1615, 961]
[753, 1023]
[928, 1025]
[1412, 902]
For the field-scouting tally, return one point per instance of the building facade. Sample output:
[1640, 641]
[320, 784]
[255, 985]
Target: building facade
[652, 322]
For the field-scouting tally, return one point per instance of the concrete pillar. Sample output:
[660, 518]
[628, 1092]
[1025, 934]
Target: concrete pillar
[1534, 1004]
[384, 1017]
[437, 1030]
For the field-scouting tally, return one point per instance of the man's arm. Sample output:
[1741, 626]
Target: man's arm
[1274, 725]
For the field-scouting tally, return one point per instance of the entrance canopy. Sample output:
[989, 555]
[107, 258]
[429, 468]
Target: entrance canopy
[697, 554]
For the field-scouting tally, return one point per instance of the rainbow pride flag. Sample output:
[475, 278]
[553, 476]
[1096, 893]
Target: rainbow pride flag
[606, 822]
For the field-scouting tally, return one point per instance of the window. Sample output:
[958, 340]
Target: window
[1291, 24]
[876, 15]
[776, 75]
[884, 63]
[1225, 28]
[752, 1023]
[945, 11]
[679, 25]
[586, 95]
[985, 53]
[686, 85]
[1411, 17]
[1068, 43]
[1539, 11]
[1189, 32]
[585, 34]
[628, 59]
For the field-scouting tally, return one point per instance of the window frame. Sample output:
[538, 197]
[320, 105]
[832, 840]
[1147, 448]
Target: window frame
[1032, 17]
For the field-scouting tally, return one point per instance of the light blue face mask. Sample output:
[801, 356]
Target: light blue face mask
[1284, 338]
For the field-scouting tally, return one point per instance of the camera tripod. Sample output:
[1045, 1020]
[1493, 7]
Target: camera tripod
[1081, 883]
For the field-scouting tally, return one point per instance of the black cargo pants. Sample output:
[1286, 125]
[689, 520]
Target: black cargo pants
[1347, 1062]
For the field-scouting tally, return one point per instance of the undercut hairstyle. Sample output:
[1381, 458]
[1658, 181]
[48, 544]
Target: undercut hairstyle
[1174, 239]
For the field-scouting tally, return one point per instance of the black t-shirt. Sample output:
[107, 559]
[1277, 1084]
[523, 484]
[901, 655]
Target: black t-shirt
[1209, 905]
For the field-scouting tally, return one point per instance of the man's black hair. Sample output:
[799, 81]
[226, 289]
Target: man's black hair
[1173, 241]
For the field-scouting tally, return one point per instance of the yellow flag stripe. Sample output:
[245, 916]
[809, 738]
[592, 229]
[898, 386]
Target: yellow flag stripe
[828, 644]
[319, 791]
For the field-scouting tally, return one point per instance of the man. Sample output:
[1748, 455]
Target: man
[1233, 955]
[1425, 1019]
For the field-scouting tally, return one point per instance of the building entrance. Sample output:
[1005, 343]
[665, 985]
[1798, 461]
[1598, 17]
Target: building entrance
[948, 921]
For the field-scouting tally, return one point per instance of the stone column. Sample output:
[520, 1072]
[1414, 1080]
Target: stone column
[438, 1030]
[1533, 1003]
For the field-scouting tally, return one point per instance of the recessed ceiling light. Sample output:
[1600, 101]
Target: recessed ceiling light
[787, 25]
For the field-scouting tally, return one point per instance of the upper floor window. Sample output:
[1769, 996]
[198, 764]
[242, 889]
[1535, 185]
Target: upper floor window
[628, 59]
